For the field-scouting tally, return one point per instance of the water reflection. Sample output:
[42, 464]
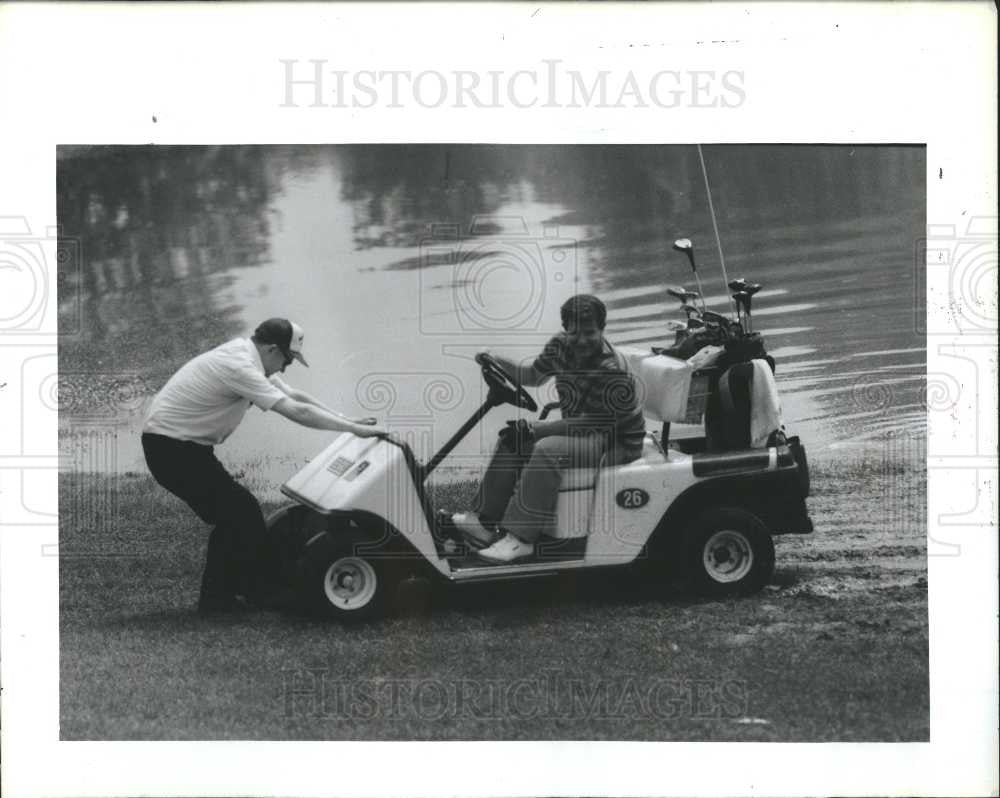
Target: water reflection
[183, 247]
[396, 192]
[160, 229]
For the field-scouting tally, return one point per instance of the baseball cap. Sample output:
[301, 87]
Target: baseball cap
[285, 334]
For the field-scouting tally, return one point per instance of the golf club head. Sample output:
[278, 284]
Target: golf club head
[684, 245]
[677, 293]
[743, 298]
[739, 310]
[710, 316]
[682, 295]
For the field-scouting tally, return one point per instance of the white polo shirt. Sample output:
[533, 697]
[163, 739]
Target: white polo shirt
[208, 396]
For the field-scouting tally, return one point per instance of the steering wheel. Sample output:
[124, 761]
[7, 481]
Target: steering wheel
[502, 385]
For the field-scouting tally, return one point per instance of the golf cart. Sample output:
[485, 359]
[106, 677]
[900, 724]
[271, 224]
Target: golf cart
[695, 507]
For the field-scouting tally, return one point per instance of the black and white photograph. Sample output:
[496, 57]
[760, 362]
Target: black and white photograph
[498, 399]
[478, 364]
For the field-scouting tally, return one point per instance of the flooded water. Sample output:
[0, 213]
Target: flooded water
[401, 262]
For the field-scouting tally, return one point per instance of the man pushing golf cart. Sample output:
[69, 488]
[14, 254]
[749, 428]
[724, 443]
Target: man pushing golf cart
[593, 489]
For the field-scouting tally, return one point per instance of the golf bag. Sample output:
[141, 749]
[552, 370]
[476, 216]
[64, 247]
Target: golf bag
[688, 345]
[742, 410]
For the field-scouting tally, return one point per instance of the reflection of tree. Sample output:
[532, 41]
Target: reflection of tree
[162, 228]
[396, 192]
[157, 226]
[632, 200]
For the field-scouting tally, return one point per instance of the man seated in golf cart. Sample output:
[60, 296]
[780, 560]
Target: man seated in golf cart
[601, 419]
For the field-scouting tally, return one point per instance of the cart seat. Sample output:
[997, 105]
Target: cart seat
[579, 478]
[586, 478]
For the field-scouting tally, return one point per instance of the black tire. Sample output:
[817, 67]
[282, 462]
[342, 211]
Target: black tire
[339, 580]
[803, 463]
[289, 529]
[728, 551]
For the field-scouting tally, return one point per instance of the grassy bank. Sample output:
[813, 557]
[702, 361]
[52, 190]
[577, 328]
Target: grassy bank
[835, 648]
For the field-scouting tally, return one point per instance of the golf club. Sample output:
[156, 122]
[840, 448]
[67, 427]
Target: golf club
[684, 245]
[715, 318]
[735, 286]
[679, 329]
[748, 291]
[692, 312]
[742, 293]
[741, 298]
[682, 294]
[739, 308]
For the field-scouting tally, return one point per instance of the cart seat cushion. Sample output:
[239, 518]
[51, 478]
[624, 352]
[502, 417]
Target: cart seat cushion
[586, 478]
[578, 479]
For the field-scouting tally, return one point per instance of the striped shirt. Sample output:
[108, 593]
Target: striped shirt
[600, 392]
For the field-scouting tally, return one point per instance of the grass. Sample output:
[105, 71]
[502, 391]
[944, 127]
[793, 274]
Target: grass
[834, 649]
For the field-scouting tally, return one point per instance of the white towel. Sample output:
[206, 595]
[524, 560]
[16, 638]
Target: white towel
[765, 406]
[705, 356]
[663, 383]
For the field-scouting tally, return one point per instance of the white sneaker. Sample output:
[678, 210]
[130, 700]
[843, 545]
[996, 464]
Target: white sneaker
[507, 549]
[472, 530]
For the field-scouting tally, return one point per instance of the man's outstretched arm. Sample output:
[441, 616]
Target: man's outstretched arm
[301, 396]
[309, 415]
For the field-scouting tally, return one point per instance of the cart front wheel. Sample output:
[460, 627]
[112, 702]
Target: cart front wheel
[341, 583]
[350, 583]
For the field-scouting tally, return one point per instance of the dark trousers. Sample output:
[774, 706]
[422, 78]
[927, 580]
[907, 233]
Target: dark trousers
[237, 558]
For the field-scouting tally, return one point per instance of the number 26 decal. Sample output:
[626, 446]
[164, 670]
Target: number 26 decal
[632, 498]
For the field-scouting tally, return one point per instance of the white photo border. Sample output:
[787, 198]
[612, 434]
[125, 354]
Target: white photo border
[197, 74]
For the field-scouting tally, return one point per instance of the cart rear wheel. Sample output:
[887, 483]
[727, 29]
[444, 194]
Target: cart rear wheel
[729, 551]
